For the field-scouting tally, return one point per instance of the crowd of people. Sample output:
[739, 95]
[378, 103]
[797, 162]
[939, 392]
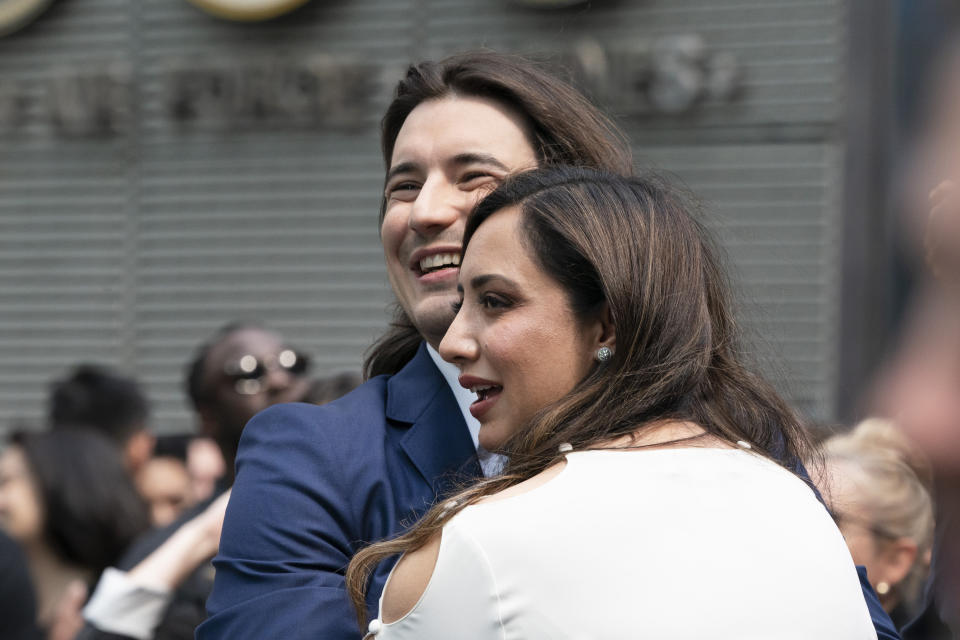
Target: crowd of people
[86, 499]
[558, 436]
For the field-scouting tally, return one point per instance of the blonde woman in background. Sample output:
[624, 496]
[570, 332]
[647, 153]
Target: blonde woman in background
[878, 489]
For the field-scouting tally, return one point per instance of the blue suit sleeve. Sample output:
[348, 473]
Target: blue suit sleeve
[288, 535]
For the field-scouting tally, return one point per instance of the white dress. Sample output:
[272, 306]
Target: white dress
[688, 543]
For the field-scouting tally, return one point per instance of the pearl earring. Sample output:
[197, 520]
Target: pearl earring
[883, 588]
[604, 354]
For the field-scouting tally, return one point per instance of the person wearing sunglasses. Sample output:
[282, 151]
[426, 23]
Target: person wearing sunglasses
[159, 588]
[241, 371]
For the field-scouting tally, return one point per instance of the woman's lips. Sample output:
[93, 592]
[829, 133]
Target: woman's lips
[485, 402]
[488, 392]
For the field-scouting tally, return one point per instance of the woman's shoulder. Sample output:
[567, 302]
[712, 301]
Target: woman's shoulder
[415, 570]
[409, 580]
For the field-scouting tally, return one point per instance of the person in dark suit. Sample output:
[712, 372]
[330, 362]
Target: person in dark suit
[159, 587]
[316, 484]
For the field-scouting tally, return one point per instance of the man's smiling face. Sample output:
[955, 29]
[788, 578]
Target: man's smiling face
[449, 153]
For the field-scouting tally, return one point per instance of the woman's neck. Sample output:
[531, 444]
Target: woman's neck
[51, 575]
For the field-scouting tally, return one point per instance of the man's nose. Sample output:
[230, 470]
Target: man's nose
[438, 205]
[277, 379]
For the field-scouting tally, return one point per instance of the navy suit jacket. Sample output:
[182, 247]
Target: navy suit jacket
[315, 483]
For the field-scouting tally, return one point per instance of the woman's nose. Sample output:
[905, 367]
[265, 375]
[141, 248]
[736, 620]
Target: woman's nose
[459, 345]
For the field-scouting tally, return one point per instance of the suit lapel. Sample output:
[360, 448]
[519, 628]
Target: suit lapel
[438, 442]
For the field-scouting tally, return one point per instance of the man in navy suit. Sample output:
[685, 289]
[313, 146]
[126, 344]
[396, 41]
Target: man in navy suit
[315, 484]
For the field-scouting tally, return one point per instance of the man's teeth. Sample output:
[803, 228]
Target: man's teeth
[440, 261]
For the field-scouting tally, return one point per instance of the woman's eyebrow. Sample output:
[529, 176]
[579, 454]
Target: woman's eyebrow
[478, 281]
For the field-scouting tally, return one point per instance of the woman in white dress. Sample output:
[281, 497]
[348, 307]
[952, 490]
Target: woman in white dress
[645, 494]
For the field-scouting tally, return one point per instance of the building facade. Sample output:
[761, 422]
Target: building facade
[164, 170]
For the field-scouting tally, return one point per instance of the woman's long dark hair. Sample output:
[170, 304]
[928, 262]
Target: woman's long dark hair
[92, 510]
[565, 128]
[635, 245]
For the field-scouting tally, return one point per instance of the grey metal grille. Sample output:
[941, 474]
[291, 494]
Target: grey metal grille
[130, 246]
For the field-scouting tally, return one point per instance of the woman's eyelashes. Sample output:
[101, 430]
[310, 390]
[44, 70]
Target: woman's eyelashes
[485, 300]
[494, 301]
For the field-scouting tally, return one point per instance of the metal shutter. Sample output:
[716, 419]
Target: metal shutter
[129, 249]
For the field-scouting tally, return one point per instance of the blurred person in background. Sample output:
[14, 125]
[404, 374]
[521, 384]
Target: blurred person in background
[919, 386]
[242, 370]
[18, 607]
[205, 466]
[877, 487]
[159, 589]
[164, 481]
[67, 499]
[920, 389]
[99, 398]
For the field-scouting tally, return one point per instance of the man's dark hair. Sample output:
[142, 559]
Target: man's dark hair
[195, 380]
[96, 397]
[563, 126]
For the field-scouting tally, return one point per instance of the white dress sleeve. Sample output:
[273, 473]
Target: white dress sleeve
[461, 599]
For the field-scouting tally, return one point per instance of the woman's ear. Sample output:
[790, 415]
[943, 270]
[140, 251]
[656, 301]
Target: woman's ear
[897, 559]
[604, 332]
[609, 329]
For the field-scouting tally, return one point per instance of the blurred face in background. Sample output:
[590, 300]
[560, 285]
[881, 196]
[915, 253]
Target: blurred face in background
[205, 465]
[21, 511]
[246, 372]
[887, 558]
[165, 486]
[449, 153]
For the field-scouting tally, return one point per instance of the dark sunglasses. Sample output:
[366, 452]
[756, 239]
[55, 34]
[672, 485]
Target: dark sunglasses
[248, 372]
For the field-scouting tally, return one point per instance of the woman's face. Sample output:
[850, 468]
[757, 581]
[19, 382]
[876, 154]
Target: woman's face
[886, 558]
[21, 512]
[515, 339]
